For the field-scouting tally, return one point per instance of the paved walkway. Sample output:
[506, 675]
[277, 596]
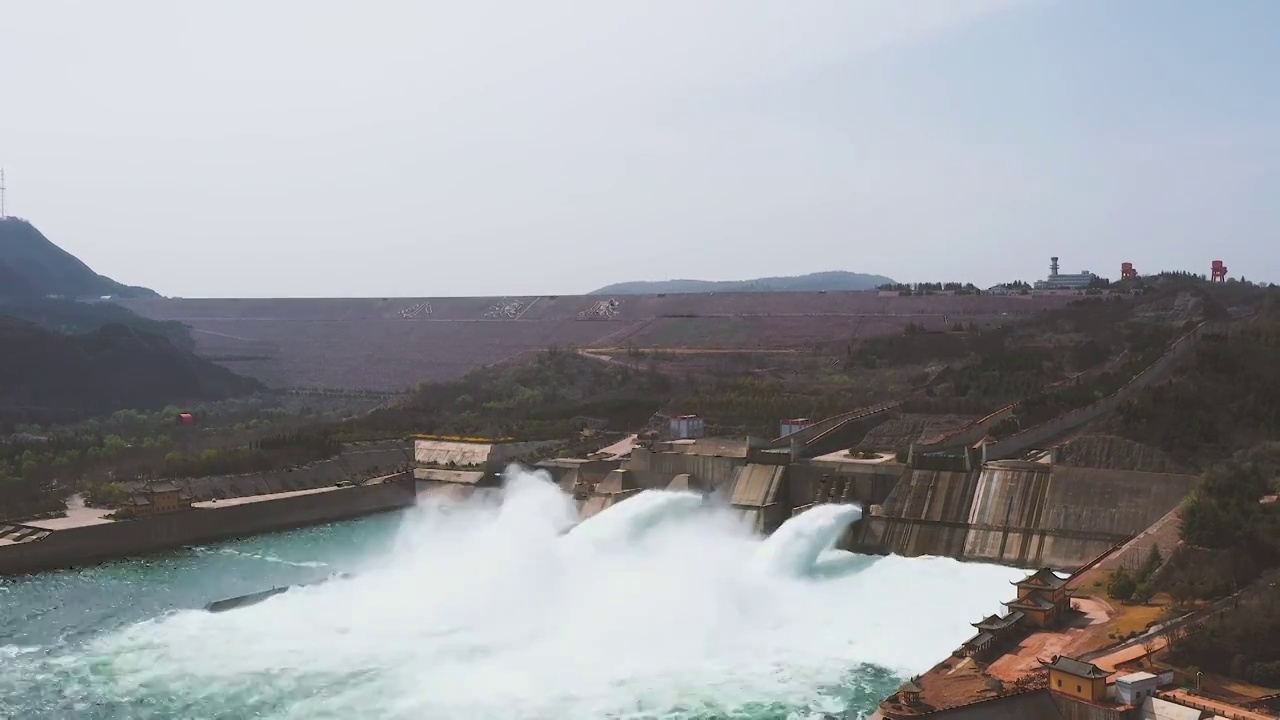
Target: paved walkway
[1044, 645]
[1233, 712]
[77, 516]
[246, 499]
[1111, 661]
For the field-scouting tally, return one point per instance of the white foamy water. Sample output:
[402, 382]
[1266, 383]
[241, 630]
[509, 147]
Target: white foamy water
[660, 607]
[794, 548]
[269, 558]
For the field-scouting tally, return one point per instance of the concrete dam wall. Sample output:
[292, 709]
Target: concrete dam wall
[1018, 513]
[93, 543]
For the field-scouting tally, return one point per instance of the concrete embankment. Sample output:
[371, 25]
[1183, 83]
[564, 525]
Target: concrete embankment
[72, 546]
[1018, 513]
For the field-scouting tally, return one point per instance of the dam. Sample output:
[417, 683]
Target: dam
[1019, 513]
[510, 604]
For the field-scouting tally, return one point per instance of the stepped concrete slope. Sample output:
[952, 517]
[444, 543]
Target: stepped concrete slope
[393, 343]
[1019, 513]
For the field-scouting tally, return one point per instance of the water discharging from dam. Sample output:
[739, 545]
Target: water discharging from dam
[660, 607]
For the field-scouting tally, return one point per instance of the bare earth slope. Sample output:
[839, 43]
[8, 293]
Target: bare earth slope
[392, 344]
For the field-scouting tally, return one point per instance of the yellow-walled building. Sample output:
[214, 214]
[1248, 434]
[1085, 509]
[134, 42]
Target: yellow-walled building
[1043, 599]
[1078, 679]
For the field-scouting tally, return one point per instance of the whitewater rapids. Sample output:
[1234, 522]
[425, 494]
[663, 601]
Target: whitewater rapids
[662, 606]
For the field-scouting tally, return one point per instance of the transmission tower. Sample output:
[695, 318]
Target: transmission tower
[3, 214]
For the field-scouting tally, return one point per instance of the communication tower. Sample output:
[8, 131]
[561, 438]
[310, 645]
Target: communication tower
[1128, 271]
[1053, 266]
[3, 213]
[1218, 272]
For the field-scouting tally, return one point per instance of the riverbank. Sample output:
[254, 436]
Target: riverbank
[81, 540]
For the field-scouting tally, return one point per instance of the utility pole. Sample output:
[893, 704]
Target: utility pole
[3, 214]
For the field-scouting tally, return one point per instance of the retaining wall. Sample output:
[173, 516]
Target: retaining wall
[95, 543]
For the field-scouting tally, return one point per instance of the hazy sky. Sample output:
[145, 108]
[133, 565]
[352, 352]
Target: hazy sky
[405, 147]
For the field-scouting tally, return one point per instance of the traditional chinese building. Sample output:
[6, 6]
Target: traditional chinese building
[1043, 599]
[157, 498]
[1076, 678]
[994, 633]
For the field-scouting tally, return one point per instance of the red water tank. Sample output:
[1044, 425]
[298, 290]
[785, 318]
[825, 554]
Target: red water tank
[186, 419]
[1218, 272]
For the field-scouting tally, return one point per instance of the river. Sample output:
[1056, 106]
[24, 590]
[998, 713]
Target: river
[658, 608]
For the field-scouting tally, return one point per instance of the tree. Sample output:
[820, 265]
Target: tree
[1151, 564]
[1142, 593]
[1149, 645]
[112, 493]
[1122, 585]
[112, 445]
[1239, 665]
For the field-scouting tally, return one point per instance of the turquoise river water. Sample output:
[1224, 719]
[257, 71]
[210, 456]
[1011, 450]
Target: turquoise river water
[660, 607]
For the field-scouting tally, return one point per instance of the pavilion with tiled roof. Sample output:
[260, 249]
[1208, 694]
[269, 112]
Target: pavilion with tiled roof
[1043, 598]
[993, 631]
[996, 624]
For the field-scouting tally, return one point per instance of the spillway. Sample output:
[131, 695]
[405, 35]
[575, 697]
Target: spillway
[794, 548]
[627, 520]
[660, 607]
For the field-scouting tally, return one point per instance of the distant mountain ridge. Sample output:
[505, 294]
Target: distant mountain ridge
[813, 282]
[32, 266]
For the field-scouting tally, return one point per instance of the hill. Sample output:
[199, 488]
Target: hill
[813, 282]
[390, 344]
[32, 266]
[73, 317]
[48, 377]
[541, 395]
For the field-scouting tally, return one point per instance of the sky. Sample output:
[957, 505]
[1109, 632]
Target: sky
[421, 148]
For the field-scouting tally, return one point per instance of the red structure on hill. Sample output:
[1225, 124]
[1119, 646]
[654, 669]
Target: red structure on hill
[1128, 271]
[1218, 272]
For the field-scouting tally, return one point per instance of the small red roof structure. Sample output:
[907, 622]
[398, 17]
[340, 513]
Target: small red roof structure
[186, 419]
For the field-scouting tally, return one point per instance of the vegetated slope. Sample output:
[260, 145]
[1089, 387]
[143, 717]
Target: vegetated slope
[1223, 398]
[34, 265]
[72, 317]
[48, 377]
[39, 282]
[14, 284]
[542, 396]
[832, 280]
